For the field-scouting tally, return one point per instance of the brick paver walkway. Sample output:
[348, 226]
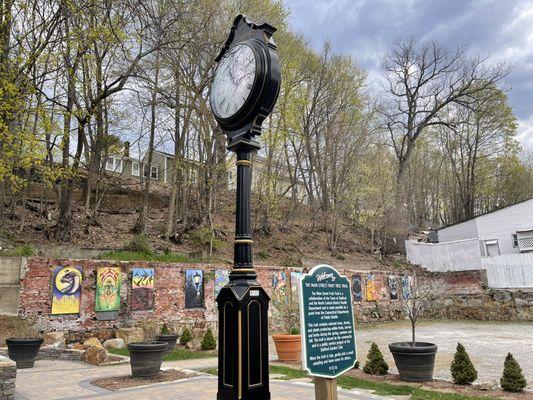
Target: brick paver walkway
[68, 380]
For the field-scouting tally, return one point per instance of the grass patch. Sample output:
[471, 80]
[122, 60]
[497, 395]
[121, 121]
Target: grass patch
[128, 255]
[25, 250]
[379, 388]
[177, 354]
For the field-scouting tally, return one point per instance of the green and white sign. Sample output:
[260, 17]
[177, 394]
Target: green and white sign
[328, 334]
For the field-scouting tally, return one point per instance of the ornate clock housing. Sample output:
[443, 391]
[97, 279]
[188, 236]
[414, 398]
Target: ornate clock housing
[246, 83]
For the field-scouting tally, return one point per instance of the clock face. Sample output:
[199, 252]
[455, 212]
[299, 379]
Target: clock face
[233, 81]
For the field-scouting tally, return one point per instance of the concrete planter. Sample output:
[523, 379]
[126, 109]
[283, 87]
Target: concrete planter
[170, 339]
[24, 350]
[415, 363]
[288, 347]
[146, 358]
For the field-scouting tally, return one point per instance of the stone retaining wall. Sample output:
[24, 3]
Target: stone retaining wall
[8, 374]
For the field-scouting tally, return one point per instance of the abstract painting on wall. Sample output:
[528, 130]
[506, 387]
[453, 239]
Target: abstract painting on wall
[381, 288]
[371, 290]
[194, 288]
[142, 288]
[108, 282]
[357, 287]
[406, 287]
[279, 281]
[221, 280]
[66, 290]
[393, 287]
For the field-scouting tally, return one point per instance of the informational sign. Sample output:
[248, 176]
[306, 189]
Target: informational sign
[328, 334]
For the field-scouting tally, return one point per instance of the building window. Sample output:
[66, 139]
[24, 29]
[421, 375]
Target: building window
[113, 164]
[135, 169]
[492, 248]
[154, 172]
[515, 240]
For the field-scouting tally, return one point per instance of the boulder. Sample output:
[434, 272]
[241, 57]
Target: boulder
[92, 342]
[114, 344]
[131, 335]
[78, 346]
[95, 355]
[56, 339]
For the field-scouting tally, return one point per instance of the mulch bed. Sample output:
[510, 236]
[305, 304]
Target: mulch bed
[128, 381]
[443, 386]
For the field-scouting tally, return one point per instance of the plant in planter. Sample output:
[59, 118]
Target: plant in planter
[167, 336]
[287, 316]
[146, 358]
[415, 360]
[23, 350]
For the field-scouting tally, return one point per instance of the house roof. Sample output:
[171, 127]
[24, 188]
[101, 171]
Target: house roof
[486, 213]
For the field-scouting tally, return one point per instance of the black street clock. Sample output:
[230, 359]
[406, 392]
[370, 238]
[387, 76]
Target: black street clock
[247, 80]
[243, 93]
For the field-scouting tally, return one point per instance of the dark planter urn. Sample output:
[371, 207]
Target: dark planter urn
[170, 339]
[414, 363]
[24, 350]
[146, 358]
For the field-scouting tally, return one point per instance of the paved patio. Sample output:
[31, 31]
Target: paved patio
[68, 380]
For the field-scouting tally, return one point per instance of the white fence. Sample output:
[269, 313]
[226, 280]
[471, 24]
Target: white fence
[460, 255]
[509, 271]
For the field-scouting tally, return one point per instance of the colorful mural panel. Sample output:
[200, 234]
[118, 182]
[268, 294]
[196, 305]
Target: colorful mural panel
[221, 280]
[194, 288]
[370, 288]
[296, 277]
[108, 282]
[279, 281]
[357, 287]
[393, 287]
[142, 288]
[66, 290]
[406, 287]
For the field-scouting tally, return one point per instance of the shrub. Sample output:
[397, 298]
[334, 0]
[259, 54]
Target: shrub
[186, 336]
[462, 369]
[356, 365]
[202, 239]
[165, 330]
[26, 250]
[209, 342]
[139, 243]
[512, 379]
[375, 364]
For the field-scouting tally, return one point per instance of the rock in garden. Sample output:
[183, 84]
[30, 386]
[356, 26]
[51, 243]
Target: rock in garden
[114, 344]
[92, 342]
[130, 335]
[95, 355]
[56, 339]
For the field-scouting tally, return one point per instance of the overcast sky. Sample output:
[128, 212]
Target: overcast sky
[500, 29]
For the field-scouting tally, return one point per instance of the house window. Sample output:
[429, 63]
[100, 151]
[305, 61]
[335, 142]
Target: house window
[154, 172]
[113, 164]
[135, 169]
[492, 247]
[515, 240]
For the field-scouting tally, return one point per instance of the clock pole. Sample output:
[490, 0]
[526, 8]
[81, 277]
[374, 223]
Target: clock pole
[243, 303]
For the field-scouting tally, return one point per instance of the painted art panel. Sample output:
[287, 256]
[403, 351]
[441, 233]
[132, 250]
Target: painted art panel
[221, 280]
[142, 288]
[382, 290]
[393, 287]
[370, 288]
[406, 287]
[357, 287]
[108, 282]
[194, 288]
[66, 290]
[279, 281]
[296, 277]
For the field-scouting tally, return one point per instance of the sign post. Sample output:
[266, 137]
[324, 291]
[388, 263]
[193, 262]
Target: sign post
[328, 334]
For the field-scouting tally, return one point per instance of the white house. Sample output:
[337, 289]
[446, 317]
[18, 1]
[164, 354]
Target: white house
[508, 230]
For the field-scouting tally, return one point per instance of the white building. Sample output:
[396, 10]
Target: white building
[508, 230]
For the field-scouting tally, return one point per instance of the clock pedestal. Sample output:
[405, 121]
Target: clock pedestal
[243, 303]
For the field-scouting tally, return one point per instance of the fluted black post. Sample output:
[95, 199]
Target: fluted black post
[243, 303]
